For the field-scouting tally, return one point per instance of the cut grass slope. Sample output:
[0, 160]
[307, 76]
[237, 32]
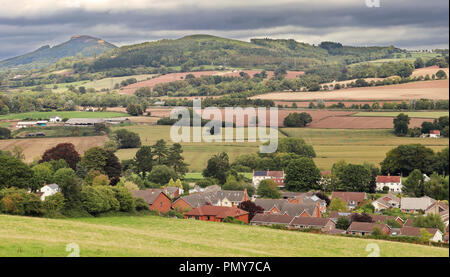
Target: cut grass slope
[157, 236]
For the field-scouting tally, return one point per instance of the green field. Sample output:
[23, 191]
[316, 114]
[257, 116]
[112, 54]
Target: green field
[356, 146]
[410, 114]
[106, 83]
[196, 154]
[63, 114]
[199, 176]
[412, 58]
[157, 236]
[331, 145]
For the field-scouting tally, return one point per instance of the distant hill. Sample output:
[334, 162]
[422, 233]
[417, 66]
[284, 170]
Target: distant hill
[198, 50]
[87, 46]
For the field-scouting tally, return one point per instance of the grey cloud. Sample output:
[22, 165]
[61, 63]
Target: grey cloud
[291, 20]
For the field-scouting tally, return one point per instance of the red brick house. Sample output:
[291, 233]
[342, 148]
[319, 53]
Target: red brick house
[216, 213]
[366, 228]
[156, 199]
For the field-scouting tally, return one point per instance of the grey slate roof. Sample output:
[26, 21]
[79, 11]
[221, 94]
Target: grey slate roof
[413, 203]
[272, 219]
[149, 195]
[285, 207]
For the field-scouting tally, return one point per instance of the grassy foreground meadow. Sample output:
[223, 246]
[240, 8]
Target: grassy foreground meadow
[157, 236]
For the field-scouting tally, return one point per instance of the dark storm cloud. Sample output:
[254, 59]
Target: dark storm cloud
[401, 23]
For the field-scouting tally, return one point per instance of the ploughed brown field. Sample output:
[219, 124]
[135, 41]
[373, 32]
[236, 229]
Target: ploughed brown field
[33, 148]
[354, 122]
[437, 89]
[330, 119]
[305, 104]
[180, 76]
[429, 70]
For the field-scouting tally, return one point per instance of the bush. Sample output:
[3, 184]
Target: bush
[5, 133]
[125, 198]
[141, 205]
[230, 219]
[203, 183]
[19, 202]
[53, 204]
[100, 199]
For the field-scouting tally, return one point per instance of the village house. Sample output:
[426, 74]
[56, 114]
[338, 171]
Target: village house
[282, 206]
[351, 198]
[305, 198]
[49, 190]
[435, 134]
[437, 235]
[437, 208]
[414, 204]
[271, 219]
[394, 183]
[323, 224]
[381, 218]
[225, 198]
[173, 192]
[216, 213]
[156, 199]
[385, 202]
[366, 228]
[276, 176]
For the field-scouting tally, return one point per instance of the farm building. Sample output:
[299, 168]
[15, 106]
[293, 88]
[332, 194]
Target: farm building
[216, 213]
[84, 121]
[25, 124]
[394, 183]
[116, 120]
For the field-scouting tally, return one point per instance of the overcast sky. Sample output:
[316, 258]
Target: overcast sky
[25, 25]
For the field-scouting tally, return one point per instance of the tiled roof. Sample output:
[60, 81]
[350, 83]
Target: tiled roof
[435, 132]
[149, 195]
[415, 231]
[272, 219]
[275, 173]
[217, 211]
[413, 203]
[285, 207]
[347, 196]
[364, 226]
[213, 197]
[389, 179]
[310, 221]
